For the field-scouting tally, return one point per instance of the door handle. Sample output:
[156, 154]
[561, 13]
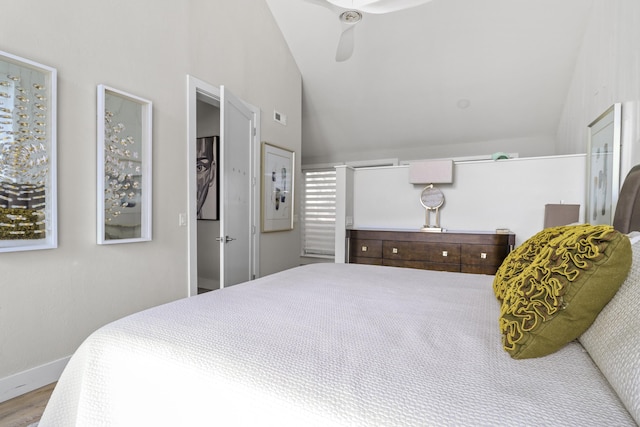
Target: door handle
[226, 239]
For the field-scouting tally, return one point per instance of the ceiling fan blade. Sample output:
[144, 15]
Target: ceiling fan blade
[327, 4]
[377, 6]
[346, 43]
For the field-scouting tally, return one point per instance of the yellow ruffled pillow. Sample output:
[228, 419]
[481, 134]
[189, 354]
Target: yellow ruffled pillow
[558, 295]
[521, 257]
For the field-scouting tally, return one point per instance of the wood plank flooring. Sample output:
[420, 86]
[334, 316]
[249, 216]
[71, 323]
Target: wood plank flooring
[26, 409]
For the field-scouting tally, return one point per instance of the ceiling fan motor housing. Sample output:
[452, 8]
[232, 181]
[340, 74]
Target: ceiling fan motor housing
[350, 17]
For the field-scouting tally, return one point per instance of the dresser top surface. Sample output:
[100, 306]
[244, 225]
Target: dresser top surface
[417, 230]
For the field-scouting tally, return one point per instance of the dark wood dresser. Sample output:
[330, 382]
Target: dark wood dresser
[466, 252]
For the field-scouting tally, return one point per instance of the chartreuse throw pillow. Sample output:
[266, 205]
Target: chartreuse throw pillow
[521, 257]
[559, 294]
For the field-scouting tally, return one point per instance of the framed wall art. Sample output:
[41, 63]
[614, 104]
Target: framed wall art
[124, 167]
[277, 188]
[207, 150]
[603, 166]
[28, 193]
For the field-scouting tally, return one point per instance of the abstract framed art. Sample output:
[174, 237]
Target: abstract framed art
[277, 188]
[603, 166]
[28, 190]
[207, 151]
[124, 167]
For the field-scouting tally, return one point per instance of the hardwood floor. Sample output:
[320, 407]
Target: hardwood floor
[26, 409]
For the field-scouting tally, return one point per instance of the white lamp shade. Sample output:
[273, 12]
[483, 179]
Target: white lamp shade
[431, 172]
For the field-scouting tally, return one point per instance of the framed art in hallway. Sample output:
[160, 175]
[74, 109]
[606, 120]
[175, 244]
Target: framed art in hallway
[28, 191]
[207, 197]
[277, 188]
[124, 167]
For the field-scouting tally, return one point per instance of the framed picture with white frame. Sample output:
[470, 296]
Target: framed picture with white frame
[603, 166]
[28, 189]
[124, 167]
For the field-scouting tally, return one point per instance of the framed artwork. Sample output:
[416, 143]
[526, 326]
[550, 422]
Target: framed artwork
[124, 167]
[207, 151]
[28, 192]
[603, 166]
[277, 188]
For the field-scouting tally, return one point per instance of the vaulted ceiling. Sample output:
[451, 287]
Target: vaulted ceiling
[445, 73]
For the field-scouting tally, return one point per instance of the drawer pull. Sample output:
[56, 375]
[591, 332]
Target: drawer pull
[364, 249]
[394, 250]
[445, 253]
[483, 255]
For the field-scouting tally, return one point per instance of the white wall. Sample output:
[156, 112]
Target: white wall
[51, 300]
[607, 71]
[485, 195]
[528, 146]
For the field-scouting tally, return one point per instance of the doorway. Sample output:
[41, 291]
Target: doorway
[213, 111]
[208, 220]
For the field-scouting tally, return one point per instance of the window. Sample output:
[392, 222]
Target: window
[318, 213]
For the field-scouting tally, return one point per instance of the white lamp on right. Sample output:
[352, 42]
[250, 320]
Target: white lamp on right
[430, 172]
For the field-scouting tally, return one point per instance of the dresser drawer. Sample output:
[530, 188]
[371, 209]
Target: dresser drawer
[484, 254]
[423, 265]
[365, 248]
[446, 253]
[363, 260]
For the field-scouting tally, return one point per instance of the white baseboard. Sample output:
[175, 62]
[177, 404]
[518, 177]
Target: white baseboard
[31, 379]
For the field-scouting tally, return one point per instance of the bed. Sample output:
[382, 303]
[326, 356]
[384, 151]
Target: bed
[354, 345]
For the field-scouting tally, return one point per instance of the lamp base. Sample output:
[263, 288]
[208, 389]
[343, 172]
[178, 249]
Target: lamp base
[431, 229]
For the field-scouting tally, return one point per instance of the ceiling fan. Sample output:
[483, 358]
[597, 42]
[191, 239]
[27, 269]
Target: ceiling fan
[350, 13]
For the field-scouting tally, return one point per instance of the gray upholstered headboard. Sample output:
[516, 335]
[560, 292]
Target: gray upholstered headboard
[627, 215]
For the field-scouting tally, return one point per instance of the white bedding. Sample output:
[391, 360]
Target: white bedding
[328, 344]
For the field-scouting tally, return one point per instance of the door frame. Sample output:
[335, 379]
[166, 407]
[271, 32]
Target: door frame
[199, 89]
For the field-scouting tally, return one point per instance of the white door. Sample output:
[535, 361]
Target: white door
[236, 189]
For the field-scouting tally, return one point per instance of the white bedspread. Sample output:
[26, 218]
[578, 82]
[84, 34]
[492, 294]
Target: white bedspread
[324, 345]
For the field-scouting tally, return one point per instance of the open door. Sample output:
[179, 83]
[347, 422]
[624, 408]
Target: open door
[236, 190]
[240, 133]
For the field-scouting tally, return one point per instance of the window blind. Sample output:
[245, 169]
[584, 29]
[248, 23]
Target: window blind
[319, 213]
